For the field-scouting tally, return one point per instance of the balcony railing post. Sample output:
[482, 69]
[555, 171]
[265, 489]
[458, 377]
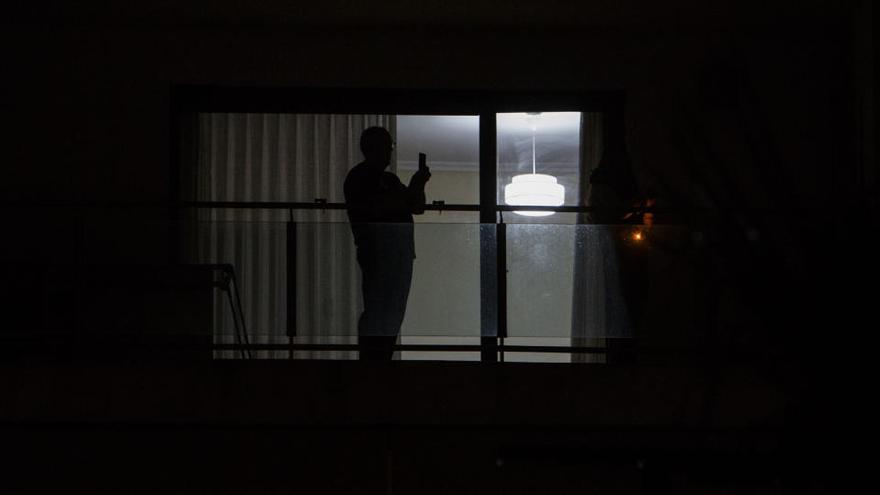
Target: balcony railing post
[501, 274]
[291, 277]
[488, 239]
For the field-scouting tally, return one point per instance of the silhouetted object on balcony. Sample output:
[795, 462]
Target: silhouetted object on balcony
[380, 210]
[613, 188]
[614, 192]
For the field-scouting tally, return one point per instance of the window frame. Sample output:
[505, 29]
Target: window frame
[187, 101]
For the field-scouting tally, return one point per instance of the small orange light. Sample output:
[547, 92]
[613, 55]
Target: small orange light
[637, 236]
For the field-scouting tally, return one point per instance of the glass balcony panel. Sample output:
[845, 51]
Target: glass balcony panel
[445, 297]
[583, 282]
[567, 285]
[443, 300]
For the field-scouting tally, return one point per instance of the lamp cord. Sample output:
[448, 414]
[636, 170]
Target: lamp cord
[533, 153]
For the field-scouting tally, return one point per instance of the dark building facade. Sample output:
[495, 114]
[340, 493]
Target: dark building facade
[759, 113]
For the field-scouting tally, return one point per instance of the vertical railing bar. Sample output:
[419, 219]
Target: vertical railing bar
[501, 273]
[488, 260]
[228, 291]
[240, 310]
[291, 280]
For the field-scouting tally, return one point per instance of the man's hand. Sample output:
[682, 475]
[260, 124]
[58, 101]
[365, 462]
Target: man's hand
[423, 174]
[420, 178]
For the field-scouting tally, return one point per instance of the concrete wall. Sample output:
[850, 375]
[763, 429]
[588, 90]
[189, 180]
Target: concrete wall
[750, 109]
[728, 103]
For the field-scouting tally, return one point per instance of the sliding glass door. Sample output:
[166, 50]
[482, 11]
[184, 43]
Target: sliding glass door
[487, 273]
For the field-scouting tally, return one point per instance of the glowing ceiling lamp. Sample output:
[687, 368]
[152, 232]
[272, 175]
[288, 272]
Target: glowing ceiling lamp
[534, 189]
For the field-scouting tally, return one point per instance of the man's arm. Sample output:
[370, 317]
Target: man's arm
[416, 190]
[415, 196]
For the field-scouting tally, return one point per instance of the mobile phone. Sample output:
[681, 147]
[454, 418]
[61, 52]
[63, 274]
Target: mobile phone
[423, 161]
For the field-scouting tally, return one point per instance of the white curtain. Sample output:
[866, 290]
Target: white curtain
[594, 265]
[282, 157]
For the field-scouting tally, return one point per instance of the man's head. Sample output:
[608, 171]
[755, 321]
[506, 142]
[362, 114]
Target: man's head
[376, 145]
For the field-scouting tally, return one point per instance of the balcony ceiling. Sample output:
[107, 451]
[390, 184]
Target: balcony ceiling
[478, 14]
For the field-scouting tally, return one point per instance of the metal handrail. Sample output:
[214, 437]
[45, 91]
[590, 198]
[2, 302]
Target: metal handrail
[436, 206]
[442, 206]
[413, 347]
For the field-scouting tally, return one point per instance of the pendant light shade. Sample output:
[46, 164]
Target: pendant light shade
[534, 190]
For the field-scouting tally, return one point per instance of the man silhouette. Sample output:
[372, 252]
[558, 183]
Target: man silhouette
[380, 210]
